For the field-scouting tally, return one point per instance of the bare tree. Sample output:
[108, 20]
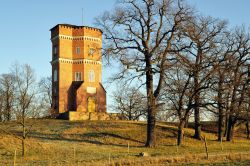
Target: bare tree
[130, 102]
[7, 86]
[45, 88]
[205, 34]
[238, 59]
[247, 130]
[25, 99]
[140, 35]
[1, 106]
[248, 106]
[179, 95]
[219, 92]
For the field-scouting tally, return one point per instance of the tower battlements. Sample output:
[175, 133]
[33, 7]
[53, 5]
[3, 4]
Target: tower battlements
[74, 30]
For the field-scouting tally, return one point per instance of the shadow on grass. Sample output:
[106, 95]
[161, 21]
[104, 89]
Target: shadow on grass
[86, 138]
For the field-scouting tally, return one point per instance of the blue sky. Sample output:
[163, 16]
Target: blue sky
[25, 24]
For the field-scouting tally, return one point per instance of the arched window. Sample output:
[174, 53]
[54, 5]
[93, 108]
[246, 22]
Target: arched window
[78, 50]
[91, 76]
[78, 76]
[55, 75]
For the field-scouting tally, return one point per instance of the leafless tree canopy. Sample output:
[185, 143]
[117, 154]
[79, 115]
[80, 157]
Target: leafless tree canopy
[130, 102]
[7, 92]
[141, 35]
[26, 91]
[19, 99]
[193, 63]
[45, 97]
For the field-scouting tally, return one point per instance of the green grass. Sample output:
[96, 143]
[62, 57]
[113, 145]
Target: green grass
[58, 142]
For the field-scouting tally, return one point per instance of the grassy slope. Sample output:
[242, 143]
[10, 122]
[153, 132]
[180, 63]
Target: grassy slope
[57, 142]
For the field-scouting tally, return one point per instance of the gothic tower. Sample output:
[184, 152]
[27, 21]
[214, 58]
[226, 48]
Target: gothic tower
[77, 91]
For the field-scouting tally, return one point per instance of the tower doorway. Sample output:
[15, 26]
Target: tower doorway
[91, 104]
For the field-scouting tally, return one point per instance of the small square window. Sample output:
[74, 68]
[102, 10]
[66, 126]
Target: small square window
[78, 50]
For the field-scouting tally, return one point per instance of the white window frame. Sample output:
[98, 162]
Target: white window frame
[91, 76]
[78, 50]
[78, 76]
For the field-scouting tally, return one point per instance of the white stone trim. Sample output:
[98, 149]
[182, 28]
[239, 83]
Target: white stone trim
[91, 90]
[76, 38]
[76, 61]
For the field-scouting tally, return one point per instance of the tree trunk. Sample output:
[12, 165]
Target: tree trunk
[8, 113]
[220, 126]
[8, 108]
[130, 115]
[24, 134]
[151, 129]
[248, 132]
[23, 148]
[1, 113]
[220, 109]
[197, 124]
[230, 128]
[151, 104]
[186, 123]
[226, 126]
[180, 132]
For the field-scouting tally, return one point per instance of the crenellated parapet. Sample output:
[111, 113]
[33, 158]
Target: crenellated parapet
[73, 30]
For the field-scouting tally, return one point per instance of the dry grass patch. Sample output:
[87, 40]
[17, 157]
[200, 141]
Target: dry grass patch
[57, 142]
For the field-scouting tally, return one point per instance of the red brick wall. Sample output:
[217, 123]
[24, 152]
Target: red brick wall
[66, 69]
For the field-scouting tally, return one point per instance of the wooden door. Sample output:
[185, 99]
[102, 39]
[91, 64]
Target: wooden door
[91, 104]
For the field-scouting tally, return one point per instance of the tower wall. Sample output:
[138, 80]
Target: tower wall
[78, 51]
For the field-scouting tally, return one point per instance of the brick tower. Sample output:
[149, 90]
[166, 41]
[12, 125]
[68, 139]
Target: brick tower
[77, 91]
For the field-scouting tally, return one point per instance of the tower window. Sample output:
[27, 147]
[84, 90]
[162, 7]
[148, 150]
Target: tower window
[55, 75]
[55, 50]
[78, 76]
[91, 76]
[91, 51]
[78, 50]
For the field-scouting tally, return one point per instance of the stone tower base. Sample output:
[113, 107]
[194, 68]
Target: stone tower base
[79, 116]
[73, 116]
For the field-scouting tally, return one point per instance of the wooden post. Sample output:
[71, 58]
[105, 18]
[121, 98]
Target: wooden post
[205, 141]
[177, 146]
[74, 152]
[128, 147]
[14, 162]
[221, 145]
[109, 158]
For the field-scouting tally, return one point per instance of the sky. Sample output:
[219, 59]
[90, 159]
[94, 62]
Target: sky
[25, 24]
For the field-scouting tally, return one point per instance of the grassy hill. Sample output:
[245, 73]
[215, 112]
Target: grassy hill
[58, 142]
